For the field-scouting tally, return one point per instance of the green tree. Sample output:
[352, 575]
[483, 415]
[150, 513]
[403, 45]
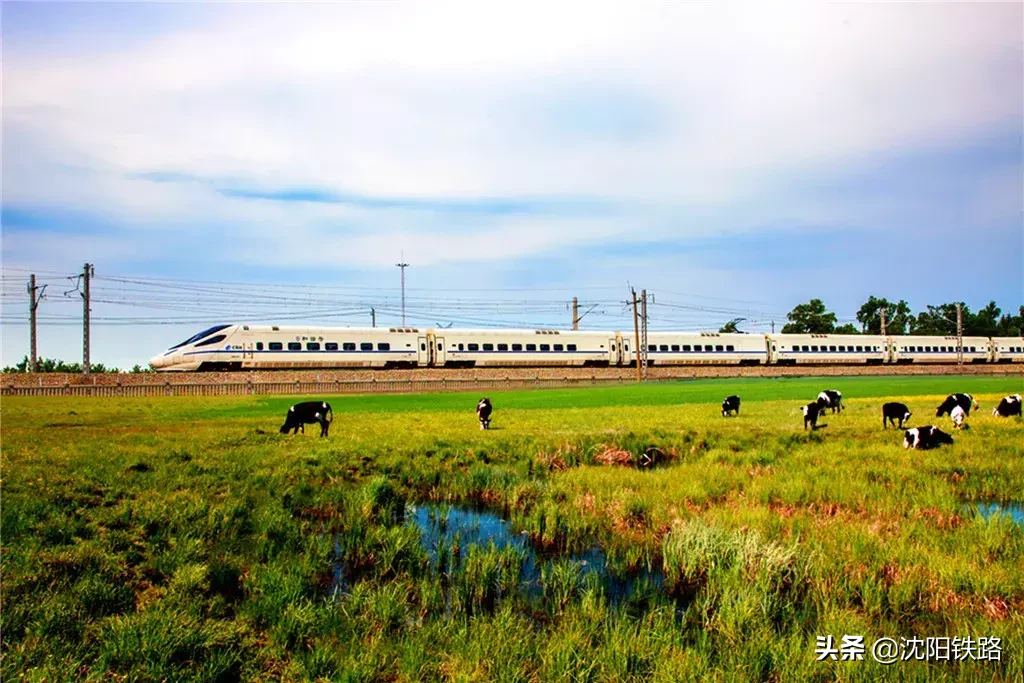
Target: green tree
[1012, 325]
[55, 365]
[937, 320]
[897, 316]
[730, 327]
[810, 318]
[848, 328]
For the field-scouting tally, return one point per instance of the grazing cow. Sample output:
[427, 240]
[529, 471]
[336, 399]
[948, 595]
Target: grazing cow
[892, 412]
[830, 398]
[811, 412]
[730, 404]
[965, 401]
[923, 438]
[1010, 405]
[483, 411]
[958, 416]
[302, 414]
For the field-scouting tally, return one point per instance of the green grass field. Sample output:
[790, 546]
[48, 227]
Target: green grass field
[185, 538]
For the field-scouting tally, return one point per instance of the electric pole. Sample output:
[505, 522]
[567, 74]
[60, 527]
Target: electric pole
[87, 272]
[403, 265]
[882, 313]
[960, 334]
[575, 314]
[33, 304]
[373, 318]
[773, 327]
[636, 332]
[643, 333]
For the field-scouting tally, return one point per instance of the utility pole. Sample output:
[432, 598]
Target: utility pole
[773, 327]
[575, 314]
[373, 318]
[643, 333]
[87, 272]
[33, 304]
[960, 334]
[882, 313]
[636, 332]
[403, 265]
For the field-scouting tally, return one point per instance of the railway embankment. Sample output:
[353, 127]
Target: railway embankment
[429, 379]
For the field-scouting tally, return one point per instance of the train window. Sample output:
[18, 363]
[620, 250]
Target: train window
[570, 347]
[652, 347]
[560, 347]
[331, 346]
[503, 347]
[531, 347]
[663, 347]
[349, 346]
[460, 347]
[842, 349]
[686, 348]
[488, 347]
[383, 346]
[312, 346]
[545, 347]
[473, 347]
[832, 349]
[719, 348]
[613, 347]
[259, 346]
[423, 347]
[212, 340]
[294, 346]
[517, 347]
[675, 348]
[805, 349]
[366, 346]
[928, 349]
[814, 349]
[707, 347]
[625, 347]
[275, 346]
[730, 348]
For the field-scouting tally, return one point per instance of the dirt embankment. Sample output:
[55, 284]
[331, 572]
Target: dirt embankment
[680, 372]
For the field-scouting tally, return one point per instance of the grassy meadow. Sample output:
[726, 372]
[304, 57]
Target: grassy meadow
[186, 539]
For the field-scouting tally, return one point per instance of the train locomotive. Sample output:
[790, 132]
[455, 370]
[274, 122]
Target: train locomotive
[270, 347]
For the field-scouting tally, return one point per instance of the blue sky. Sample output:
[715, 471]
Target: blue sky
[735, 160]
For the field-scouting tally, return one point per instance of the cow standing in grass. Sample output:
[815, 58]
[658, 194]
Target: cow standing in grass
[1008, 407]
[892, 412]
[965, 401]
[830, 398]
[958, 415]
[923, 438]
[811, 412]
[483, 411]
[302, 414]
[731, 404]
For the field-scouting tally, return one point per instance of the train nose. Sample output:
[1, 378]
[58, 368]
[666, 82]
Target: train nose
[157, 362]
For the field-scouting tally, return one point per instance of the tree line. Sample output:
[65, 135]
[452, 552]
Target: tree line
[55, 365]
[813, 318]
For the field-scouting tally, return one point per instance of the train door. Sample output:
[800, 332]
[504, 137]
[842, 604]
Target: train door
[423, 351]
[613, 351]
[439, 355]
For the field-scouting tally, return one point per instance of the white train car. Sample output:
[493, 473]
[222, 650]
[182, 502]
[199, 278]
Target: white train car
[529, 348]
[1007, 349]
[921, 349]
[256, 347]
[828, 349]
[706, 348]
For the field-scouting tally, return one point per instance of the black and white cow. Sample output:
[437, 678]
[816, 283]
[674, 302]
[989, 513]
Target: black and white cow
[1008, 407]
[483, 411]
[830, 398]
[891, 412]
[965, 401]
[730, 404]
[310, 412]
[923, 438]
[811, 412]
[959, 417]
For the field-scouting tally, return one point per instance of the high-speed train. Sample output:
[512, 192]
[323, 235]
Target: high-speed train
[258, 347]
